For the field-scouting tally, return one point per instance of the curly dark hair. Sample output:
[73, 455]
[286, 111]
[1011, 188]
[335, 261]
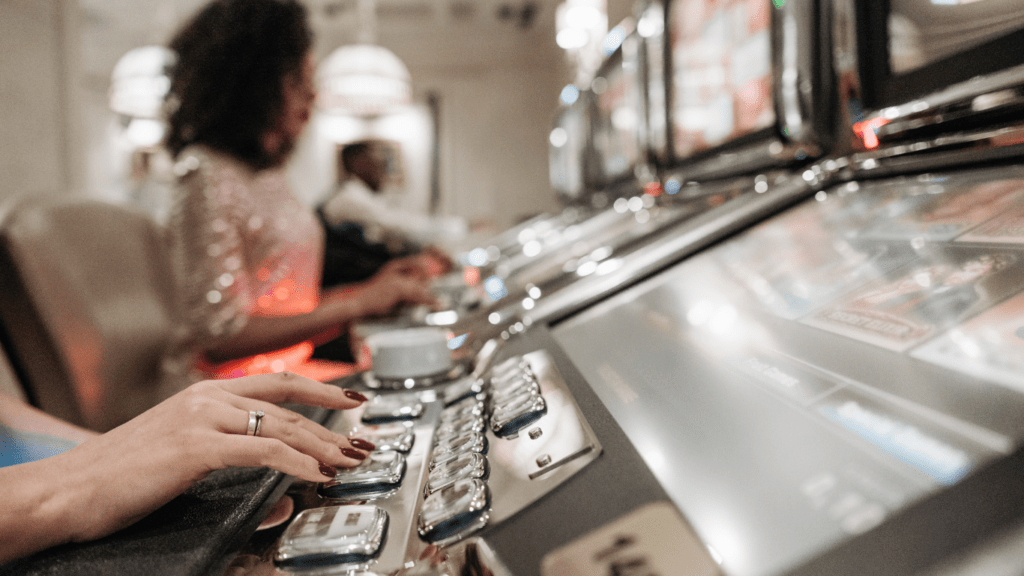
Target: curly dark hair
[227, 87]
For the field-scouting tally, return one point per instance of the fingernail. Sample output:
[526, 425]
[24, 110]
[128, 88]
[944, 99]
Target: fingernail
[356, 454]
[327, 470]
[362, 444]
[355, 395]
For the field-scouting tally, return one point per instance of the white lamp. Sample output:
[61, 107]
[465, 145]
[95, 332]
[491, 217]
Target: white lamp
[140, 82]
[364, 80]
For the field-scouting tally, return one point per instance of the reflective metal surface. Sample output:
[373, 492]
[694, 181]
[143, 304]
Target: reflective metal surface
[338, 535]
[813, 377]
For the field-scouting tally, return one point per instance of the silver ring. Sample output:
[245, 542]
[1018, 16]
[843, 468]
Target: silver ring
[259, 422]
[253, 422]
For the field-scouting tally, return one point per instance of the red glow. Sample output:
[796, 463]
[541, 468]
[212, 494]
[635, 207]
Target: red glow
[868, 131]
[471, 275]
[653, 189]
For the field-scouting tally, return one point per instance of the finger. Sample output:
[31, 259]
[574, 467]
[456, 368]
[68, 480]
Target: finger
[296, 437]
[235, 450]
[290, 387]
[307, 442]
[291, 418]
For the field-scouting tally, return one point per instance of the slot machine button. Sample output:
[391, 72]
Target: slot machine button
[377, 476]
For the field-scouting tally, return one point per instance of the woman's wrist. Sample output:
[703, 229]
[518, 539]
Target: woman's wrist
[343, 306]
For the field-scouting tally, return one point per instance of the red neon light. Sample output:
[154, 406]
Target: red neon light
[868, 131]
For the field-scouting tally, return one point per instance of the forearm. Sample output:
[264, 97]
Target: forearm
[20, 416]
[38, 510]
[263, 334]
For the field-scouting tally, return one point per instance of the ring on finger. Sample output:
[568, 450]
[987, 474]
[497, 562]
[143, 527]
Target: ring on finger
[259, 422]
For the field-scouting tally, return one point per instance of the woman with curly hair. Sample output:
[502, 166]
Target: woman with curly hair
[247, 252]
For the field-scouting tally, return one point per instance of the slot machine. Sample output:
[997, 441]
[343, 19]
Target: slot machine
[821, 374]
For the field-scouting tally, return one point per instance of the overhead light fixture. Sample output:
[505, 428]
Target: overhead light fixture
[580, 27]
[364, 79]
[140, 82]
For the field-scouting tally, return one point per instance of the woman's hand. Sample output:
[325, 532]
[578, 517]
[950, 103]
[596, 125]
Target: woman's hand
[115, 479]
[418, 266]
[398, 282]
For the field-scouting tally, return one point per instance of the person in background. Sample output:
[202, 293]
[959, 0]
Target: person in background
[363, 231]
[246, 251]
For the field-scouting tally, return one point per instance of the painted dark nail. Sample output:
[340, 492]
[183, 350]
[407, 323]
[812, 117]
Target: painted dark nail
[355, 395]
[362, 444]
[327, 470]
[355, 454]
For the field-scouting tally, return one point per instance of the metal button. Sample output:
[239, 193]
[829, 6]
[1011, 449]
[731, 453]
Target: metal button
[544, 460]
[535, 433]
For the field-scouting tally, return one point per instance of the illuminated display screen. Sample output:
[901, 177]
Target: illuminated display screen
[922, 32]
[721, 72]
[803, 381]
[617, 123]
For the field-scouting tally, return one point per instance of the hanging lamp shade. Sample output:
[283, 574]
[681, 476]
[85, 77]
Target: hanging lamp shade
[365, 80]
[140, 82]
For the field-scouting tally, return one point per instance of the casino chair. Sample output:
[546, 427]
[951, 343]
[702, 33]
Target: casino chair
[86, 307]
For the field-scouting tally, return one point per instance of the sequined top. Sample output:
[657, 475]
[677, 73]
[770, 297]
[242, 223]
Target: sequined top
[241, 245]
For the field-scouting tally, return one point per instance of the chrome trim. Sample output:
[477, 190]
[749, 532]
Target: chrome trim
[979, 94]
[985, 141]
[803, 82]
[697, 233]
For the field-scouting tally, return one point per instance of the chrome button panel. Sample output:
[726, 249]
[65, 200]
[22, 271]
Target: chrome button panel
[454, 511]
[466, 465]
[393, 407]
[339, 536]
[380, 473]
[454, 446]
[395, 437]
[450, 461]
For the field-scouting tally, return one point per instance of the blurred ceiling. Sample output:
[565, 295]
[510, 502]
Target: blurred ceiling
[429, 35]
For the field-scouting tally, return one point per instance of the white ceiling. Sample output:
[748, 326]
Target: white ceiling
[426, 34]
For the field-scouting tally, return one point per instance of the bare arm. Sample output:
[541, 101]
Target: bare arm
[114, 479]
[20, 416]
[401, 283]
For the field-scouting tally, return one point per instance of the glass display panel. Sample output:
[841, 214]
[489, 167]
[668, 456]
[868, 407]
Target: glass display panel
[922, 32]
[617, 125]
[721, 72]
[801, 382]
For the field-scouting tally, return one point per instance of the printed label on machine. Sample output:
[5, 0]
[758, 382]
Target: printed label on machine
[652, 540]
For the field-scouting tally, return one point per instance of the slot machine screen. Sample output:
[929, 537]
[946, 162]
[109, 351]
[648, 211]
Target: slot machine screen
[913, 47]
[721, 72]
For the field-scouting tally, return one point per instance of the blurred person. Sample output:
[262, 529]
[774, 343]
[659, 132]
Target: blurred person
[363, 231]
[66, 484]
[246, 251]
